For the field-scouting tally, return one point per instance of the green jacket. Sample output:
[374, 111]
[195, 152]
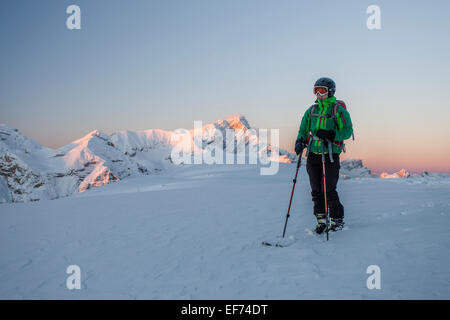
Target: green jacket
[344, 128]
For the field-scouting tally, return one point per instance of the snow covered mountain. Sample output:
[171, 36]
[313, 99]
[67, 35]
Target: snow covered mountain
[418, 178]
[400, 174]
[209, 137]
[354, 168]
[30, 172]
[96, 161]
[24, 168]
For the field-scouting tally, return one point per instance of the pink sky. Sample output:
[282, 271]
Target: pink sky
[384, 155]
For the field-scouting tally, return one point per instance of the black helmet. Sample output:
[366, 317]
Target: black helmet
[326, 82]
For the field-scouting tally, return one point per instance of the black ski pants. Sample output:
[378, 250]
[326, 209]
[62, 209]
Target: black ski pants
[315, 172]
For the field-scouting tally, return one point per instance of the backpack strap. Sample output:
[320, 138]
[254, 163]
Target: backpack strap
[335, 107]
[334, 114]
[311, 112]
[313, 108]
[340, 144]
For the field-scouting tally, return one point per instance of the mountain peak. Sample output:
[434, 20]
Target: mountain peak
[15, 141]
[234, 116]
[88, 137]
[6, 128]
[234, 121]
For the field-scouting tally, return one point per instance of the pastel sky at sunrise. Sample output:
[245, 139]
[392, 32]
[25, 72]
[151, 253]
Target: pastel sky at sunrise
[146, 64]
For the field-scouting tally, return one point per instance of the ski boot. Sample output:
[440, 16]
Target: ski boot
[321, 223]
[336, 224]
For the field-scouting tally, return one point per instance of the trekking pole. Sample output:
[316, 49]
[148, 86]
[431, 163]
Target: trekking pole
[290, 202]
[325, 184]
[292, 193]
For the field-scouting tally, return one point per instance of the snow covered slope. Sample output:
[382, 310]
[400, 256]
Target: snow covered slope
[196, 232]
[130, 142]
[97, 161]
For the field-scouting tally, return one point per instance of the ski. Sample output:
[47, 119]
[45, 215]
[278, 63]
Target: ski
[279, 242]
[264, 243]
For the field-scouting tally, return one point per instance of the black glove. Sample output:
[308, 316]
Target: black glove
[300, 144]
[326, 134]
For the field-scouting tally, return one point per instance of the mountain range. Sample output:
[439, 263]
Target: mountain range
[30, 171]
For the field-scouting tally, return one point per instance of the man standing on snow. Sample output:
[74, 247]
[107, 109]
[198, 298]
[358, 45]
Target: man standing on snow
[326, 120]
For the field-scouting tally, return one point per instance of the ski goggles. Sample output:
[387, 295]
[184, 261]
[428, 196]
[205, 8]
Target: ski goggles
[320, 90]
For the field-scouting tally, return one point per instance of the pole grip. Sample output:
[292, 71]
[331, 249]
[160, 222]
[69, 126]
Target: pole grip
[330, 150]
